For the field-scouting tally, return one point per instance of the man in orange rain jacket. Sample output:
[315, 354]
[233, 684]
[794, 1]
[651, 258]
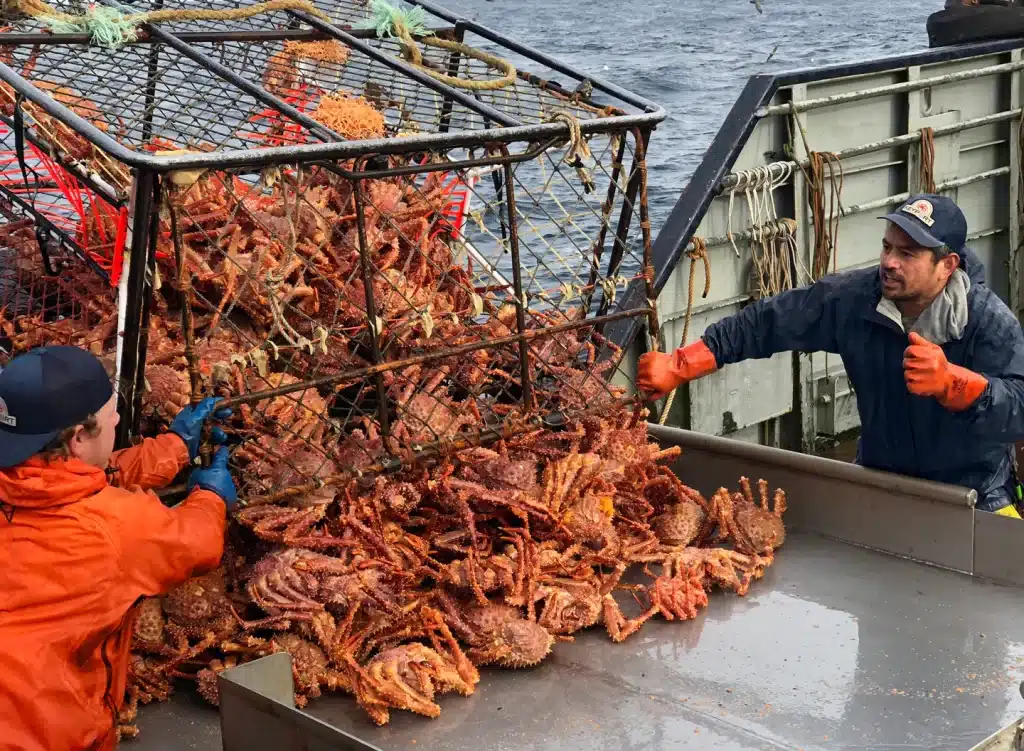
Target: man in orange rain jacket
[78, 551]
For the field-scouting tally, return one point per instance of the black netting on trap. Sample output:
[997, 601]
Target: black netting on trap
[282, 89]
[341, 12]
[313, 76]
[148, 97]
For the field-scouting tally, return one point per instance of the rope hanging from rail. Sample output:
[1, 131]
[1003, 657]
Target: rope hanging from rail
[393, 23]
[926, 174]
[826, 222]
[774, 253]
[699, 252]
[640, 158]
[772, 244]
[108, 27]
[825, 214]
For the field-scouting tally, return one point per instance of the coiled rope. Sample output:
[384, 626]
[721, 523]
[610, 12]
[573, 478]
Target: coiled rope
[699, 252]
[391, 22]
[926, 174]
[108, 27]
[775, 256]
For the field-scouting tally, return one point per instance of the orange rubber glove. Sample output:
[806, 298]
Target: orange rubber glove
[661, 372]
[929, 373]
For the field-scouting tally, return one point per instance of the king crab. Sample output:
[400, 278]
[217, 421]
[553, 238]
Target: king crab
[498, 634]
[409, 675]
[199, 608]
[754, 529]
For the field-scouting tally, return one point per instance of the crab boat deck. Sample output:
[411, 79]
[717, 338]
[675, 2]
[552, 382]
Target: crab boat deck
[838, 646]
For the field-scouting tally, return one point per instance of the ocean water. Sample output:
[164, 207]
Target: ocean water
[694, 56]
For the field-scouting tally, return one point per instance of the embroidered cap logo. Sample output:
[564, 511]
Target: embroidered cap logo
[921, 210]
[6, 418]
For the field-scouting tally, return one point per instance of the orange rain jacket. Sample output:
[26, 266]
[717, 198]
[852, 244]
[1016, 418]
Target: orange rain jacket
[77, 552]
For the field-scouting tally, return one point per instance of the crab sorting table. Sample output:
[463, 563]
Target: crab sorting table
[837, 646]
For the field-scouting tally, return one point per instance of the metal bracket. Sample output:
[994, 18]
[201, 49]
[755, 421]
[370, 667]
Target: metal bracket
[257, 710]
[43, 240]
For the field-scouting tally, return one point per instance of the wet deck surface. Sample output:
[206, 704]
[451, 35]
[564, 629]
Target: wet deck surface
[837, 647]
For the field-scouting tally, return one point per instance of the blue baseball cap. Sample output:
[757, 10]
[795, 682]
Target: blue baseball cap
[43, 392]
[932, 222]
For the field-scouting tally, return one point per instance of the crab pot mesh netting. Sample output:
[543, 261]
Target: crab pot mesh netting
[435, 469]
[49, 292]
[394, 294]
[151, 96]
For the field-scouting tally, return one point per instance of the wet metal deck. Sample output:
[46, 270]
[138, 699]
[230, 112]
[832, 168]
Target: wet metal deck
[838, 647]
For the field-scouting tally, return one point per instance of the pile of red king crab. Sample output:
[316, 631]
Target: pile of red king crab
[397, 589]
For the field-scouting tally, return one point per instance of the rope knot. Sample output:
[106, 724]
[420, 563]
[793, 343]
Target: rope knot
[391, 22]
[578, 150]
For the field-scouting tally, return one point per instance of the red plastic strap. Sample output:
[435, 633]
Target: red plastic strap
[119, 241]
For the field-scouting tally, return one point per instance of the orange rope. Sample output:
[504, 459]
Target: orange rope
[927, 169]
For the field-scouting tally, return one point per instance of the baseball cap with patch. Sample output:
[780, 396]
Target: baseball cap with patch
[931, 221]
[43, 392]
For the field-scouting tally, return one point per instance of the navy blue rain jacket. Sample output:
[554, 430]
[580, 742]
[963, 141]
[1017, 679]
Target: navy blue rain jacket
[900, 432]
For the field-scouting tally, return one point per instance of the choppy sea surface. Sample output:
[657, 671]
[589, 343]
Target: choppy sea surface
[694, 56]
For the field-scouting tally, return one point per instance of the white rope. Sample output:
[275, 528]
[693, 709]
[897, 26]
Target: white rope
[772, 246]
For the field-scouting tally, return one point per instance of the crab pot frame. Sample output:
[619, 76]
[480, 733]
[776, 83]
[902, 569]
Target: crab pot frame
[290, 210]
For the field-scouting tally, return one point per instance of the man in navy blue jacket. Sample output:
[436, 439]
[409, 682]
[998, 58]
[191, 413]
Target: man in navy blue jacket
[935, 357]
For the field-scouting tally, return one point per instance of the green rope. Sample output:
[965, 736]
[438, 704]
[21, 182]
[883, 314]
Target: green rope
[106, 27]
[387, 20]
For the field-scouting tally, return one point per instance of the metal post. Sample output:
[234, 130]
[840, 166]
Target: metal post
[371, 306]
[517, 286]
[606, 215]
[733, 180]
[805, 105]
[625, 217]
[152, 67]
[453, 70]
[133, 342]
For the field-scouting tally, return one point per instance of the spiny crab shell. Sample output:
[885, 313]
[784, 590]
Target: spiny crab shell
[149, 623]
[498, 472]
[167, 391]
[199, 606]
[526, 642]
[763, 524]
[300, 469]
[681, 524]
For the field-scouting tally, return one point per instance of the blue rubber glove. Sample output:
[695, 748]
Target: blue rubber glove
[188, 425]
[216, 478]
